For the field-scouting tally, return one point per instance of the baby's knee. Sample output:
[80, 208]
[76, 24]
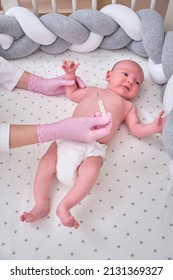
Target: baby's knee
[48, 162]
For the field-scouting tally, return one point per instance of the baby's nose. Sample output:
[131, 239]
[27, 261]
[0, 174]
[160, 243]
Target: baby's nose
[130, 81]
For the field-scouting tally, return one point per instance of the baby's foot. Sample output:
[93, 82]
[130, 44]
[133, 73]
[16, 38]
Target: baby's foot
[38, 212]
[65, 216]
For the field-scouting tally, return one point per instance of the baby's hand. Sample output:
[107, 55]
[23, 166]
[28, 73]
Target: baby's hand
[70, 67]
[159, 122]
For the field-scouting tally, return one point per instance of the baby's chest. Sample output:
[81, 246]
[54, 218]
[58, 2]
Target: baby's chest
[115, 105]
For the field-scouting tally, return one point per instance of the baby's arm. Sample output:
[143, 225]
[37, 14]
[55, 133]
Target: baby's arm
[72, 92]
[142, 130]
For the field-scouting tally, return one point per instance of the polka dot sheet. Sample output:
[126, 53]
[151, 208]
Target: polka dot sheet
[129, 213]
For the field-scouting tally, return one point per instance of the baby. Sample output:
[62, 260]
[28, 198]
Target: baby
[78, 164]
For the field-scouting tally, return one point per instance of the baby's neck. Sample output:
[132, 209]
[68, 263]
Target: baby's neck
[109, 90]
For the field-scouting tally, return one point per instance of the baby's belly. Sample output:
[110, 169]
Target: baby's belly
[88, 113]
[84, 110]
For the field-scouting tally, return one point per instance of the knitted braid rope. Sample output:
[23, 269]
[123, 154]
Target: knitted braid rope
[113, 27]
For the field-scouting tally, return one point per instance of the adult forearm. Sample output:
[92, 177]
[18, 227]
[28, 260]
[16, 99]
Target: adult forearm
[23, 81]
[22, 135]
[78, 129]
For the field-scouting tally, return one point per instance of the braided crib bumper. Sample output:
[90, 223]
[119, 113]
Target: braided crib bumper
[113, 27]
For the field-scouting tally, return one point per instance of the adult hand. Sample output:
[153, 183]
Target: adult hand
[52, 86]
[85, 129]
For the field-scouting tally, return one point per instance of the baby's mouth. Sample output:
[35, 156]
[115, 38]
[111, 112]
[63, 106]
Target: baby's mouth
[126, 87]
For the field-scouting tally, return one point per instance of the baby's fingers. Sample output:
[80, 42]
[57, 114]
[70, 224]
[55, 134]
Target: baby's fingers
[160, 115]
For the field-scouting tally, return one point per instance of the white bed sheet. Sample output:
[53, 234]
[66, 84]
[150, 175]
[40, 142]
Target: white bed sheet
[129, 213]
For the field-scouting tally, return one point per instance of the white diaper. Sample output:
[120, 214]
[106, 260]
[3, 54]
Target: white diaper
[71, 154]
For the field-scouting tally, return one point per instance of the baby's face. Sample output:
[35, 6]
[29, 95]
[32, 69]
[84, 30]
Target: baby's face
[125, 79]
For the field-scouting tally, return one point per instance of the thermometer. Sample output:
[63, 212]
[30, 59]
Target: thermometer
[101, 106]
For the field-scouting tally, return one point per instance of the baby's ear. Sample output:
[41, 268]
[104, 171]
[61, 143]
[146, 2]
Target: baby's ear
[108, 75]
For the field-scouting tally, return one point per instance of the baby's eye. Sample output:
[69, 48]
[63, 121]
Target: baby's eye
[137, 83]
[124, 73]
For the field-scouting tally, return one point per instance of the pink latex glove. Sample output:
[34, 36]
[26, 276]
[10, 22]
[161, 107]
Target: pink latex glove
[52, 86]
[84, 129]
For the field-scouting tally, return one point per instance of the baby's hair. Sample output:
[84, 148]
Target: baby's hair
[128, 60]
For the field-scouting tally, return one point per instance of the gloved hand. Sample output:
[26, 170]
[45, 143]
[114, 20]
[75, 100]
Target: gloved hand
[52, 86]
[84, 129]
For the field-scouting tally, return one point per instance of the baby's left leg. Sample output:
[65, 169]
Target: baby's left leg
[88, 173]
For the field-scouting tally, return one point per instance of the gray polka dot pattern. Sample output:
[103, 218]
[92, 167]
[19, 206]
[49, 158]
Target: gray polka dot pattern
[128, 214]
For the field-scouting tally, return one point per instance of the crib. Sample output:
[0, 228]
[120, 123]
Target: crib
[129, 213]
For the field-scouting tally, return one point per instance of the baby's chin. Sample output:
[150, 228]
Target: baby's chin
[125, 93]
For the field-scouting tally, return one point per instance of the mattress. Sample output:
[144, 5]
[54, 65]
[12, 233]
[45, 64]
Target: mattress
[127, 215]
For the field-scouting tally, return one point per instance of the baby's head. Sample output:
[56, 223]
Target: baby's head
[125, 78]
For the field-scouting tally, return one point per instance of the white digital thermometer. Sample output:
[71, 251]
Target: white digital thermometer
[101, 106]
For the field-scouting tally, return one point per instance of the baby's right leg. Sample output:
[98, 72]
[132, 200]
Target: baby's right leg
[42, 185]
